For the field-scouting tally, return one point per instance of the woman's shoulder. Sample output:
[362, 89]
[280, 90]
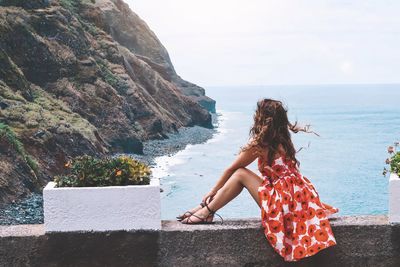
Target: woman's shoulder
[261, 152]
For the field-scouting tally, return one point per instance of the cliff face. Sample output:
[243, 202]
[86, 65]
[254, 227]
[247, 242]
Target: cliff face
[133, 33]
[82, 76]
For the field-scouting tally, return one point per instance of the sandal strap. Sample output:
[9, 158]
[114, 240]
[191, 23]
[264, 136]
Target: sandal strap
[222, 220]
[201, 218]
[188, 212]
[212, 212]
[183, 215]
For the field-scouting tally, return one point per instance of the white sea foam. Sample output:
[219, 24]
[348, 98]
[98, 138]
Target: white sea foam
[163, 164]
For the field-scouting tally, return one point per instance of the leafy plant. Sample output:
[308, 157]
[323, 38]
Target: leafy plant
[74, 5]
[71, 5]
[7, 133]
[394, 160]
[85, 171]
[120, 85]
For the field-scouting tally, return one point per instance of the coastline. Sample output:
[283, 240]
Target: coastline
[176, 142]
[29, 210]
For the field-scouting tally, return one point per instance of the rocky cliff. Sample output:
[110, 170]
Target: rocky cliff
[82, 76]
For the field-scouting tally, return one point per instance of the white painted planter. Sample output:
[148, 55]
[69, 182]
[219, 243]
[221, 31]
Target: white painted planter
[108, 208]
[394, 198]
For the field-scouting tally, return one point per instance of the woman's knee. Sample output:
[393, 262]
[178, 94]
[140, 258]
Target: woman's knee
[246, 177]
[240, 173]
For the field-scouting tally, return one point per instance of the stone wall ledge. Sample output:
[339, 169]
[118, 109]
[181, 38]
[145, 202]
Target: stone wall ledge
[362, 241]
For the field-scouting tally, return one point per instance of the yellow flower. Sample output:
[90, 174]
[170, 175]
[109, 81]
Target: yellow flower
[118, 173]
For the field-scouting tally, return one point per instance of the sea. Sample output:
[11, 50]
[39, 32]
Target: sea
[355, 123]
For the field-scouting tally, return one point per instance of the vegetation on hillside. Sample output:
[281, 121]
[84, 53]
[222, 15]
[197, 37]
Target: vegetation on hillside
[7, 133]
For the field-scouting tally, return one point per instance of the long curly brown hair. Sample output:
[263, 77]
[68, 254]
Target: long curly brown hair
[272, 128]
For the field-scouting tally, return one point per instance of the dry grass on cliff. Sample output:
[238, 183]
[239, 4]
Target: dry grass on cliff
[8, 134]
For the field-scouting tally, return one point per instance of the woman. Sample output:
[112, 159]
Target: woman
[293, 217]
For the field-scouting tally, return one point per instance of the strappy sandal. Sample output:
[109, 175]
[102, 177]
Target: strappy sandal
[212, 212]
[204, 220]
[180, 218]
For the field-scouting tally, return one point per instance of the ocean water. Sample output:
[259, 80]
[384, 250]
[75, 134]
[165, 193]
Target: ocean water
[356, 123]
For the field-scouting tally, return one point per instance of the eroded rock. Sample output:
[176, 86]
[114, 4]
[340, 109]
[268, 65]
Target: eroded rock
[84, 77]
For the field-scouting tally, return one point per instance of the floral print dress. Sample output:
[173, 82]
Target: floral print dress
[293, 217]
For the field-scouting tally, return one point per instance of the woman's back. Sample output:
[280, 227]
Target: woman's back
[280, 163]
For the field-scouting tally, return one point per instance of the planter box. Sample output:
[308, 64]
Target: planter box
[108, 208]
[394, 198]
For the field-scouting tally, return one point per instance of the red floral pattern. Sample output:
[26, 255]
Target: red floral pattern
[294, 219]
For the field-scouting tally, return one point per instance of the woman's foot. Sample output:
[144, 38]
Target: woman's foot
[190, 212]
[201, 215]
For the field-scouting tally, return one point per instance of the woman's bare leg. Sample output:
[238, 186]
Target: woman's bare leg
[242, 177]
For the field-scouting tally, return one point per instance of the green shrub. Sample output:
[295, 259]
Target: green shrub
[71, 5]
[394, 160]
[395, 163]
[88, 171]
[7, 133]
[120, 85]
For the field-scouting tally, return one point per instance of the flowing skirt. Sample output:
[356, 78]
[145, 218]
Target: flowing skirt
[294, 219]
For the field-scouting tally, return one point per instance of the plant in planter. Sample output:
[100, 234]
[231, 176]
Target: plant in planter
[102, 195]
[394, 183]
[87, 171]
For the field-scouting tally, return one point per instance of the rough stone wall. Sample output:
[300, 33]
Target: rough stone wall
[362, 241]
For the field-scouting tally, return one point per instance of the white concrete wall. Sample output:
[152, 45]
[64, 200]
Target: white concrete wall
[394, 198]
[102, 208]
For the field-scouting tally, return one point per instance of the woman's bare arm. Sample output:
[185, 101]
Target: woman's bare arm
[242, 160]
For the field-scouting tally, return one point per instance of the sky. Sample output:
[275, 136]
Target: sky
[278, 42]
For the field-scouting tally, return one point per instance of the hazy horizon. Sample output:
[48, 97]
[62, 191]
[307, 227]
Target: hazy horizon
[270, 42]
[301, 85]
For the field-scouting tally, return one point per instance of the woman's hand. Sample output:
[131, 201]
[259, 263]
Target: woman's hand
[209, 195]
